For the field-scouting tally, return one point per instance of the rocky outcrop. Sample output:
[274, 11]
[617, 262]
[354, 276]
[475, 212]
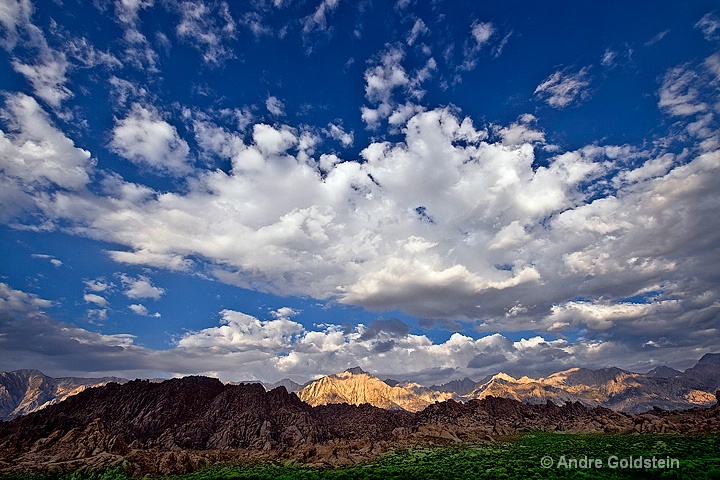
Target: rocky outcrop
[25, 391]
[356, 387]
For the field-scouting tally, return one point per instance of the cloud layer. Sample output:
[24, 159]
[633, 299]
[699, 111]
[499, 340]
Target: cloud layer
[601, 249]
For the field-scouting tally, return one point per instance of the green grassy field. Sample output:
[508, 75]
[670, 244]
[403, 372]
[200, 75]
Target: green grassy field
[597, 456]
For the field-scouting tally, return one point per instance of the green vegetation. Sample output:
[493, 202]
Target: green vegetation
[520, 457]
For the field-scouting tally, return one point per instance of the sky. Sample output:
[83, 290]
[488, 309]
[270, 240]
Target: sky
[288, 188]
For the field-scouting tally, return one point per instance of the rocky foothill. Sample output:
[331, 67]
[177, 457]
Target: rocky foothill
[184, 424]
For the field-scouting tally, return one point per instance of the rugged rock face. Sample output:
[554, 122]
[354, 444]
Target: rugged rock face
[182, 424]
[356, 387]
[24, 391]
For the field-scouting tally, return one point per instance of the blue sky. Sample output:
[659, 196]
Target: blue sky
[429, 190]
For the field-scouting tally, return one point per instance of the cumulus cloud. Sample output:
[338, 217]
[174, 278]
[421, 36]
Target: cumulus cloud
[140, 309]
[98, 285]
[563, 88]
[95, 299]
[140, 287]
[284, 312]
[243, 332]
[337, 132]
[444, 224]
[144, 138]
[521, 132]
[35, 156]
[387, 81]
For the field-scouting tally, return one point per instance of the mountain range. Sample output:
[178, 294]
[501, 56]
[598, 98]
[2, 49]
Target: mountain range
[25, 391]
[183, 424]
[613, 388]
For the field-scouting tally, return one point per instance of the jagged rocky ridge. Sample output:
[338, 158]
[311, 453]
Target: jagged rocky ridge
[182, 424]
[355, 387]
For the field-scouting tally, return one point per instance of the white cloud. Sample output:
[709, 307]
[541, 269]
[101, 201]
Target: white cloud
[98, 285]
[355, 233]
[562, 88]
[679, 92]
[709, 25]
[418, 28]
[384, 79]
[207, 26]
[609, 58]
[337, 132]
[280, 348]
[275, 106]
[140, 287]
[36, 156]
[14, 16]
[89, 56]
[48, 69]
[140, 309]
[284, 312]
[241, 332]
[521, 132]
[657, 38]
[138, 51]
[17, 301]
[318, 19]
[446, 222]
[97, 316]
[47, 77]
[56, 263]
[482, 32]
[95, 299]
[144, 138]
[387, 75]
